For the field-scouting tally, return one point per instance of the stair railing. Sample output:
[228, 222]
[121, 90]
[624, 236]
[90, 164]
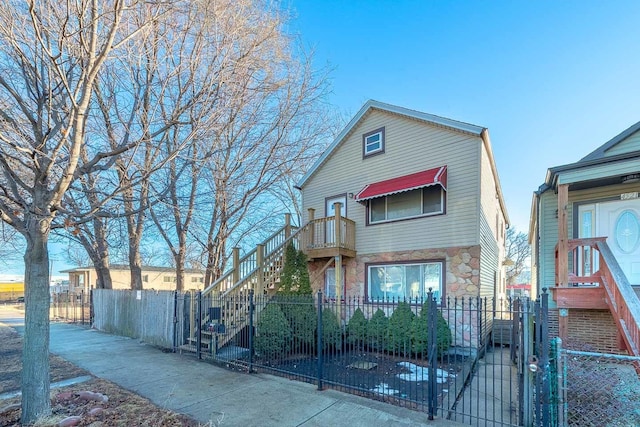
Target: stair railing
[621, 298]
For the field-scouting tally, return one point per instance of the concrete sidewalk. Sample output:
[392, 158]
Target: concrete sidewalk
[213, 395]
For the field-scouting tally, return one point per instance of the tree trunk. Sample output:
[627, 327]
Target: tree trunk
[136, 273]
[35, 350]
[101, 264]
[103, 273]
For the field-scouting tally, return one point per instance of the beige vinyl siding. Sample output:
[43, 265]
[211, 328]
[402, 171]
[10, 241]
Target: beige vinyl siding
[491, 231]
[630, 144]
[410, 146]
[488, 258]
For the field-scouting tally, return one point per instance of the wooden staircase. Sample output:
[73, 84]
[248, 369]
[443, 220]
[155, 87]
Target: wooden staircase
[226, 303]
[607, 287]
[224, 311]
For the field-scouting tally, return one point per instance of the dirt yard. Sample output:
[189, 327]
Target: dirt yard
[96, 403]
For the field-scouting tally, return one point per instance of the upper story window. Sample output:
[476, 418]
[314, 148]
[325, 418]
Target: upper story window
[409, 204]
[373, 142]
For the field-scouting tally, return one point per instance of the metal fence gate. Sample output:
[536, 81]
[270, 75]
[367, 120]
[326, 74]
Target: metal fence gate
[596, 389]
[471, 360]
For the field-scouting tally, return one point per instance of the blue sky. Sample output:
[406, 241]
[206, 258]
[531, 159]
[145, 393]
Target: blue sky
[551, 80]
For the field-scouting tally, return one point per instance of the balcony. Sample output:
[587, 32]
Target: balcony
[321, 238]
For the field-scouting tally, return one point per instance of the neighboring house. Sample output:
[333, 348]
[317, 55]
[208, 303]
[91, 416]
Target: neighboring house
[420, 206]
[157, 278]
[585, 237]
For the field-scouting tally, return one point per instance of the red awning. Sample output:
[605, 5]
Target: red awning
[436, 176]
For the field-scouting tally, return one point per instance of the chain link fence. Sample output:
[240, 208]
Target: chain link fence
[598, 389]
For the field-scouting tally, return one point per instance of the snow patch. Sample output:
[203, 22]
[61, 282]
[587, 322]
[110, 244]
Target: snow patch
[383, 388]
[419, 373]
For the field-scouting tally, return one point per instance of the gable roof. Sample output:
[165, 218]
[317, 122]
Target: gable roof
[455, 125]
[371, 104]
[599, 152]
[595, 158]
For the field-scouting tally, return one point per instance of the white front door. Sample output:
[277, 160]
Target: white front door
[620, 222]
[330, 211]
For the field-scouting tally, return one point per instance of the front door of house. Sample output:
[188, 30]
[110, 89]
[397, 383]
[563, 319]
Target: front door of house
[620, 222]
[330, 212]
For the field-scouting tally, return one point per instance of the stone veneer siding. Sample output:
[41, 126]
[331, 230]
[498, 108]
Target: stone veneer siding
[462, 268]
[462, 279]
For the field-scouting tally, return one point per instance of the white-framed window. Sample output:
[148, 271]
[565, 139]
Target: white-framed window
[405, 281]
[409, 204]
[145, 278]
[330, 283]
[169, 278]
[373, 142]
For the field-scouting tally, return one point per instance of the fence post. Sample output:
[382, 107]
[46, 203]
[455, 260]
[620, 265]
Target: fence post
[527, 407]
[175, 321]
[82, 307]
[251, 313]
[557, 416]
[199, 326]
[319, 344]
[563, 415]
[544, 358]
[432, 346]
[91, 308]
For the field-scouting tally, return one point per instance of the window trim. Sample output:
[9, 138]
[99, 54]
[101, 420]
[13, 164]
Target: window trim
[344, 284]
[443, 279]
[380, 150]
[443, 210]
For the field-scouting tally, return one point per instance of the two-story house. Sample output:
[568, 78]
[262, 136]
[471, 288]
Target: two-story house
[418, 204]
[585, 236]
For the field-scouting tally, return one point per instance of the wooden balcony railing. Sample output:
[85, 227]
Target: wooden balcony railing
[599, 282]
[328, 236]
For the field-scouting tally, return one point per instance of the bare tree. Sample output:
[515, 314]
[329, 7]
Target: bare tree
[269, 114]
[51, 53]
[518, 251]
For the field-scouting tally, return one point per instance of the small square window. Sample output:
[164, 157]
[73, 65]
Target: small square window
[373, 142]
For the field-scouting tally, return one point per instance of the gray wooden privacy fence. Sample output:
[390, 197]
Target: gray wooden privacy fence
[146, 315]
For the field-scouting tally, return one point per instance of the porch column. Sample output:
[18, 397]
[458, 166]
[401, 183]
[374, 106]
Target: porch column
[563, 324]
[311, 229]
[338, 224]
[287, 225]
[236, 265]
[563, 236]
[261, 271]
[338, 278]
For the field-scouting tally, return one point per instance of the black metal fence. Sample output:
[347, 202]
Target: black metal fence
[459, 359]
[72, 307]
